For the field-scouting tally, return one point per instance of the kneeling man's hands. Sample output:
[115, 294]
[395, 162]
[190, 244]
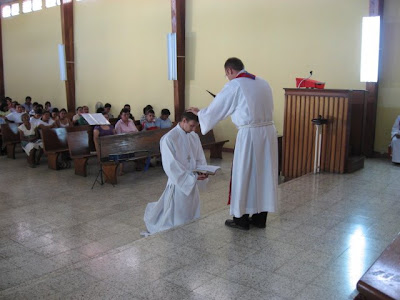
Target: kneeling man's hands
[202, 176]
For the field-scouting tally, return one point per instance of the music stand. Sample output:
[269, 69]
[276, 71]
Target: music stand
[100, 173]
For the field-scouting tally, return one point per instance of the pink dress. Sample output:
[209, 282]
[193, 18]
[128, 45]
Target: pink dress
[121, 127]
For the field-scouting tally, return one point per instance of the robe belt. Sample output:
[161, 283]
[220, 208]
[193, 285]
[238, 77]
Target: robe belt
[263, 124]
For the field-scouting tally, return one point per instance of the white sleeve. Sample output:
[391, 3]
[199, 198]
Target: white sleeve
[200, 161]
[396, 127]
[184, 179]
[221, 107]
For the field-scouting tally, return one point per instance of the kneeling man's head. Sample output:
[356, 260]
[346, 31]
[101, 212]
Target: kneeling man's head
[189, 121]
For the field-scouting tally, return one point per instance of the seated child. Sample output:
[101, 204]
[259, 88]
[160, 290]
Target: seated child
[143, 117]
[163, 121]
[149, 123]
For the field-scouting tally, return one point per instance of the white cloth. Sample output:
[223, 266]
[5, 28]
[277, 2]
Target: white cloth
[255, 163]
[31, 145]
[38, 122]
[181, 153]
[396, 141]
[15, 117]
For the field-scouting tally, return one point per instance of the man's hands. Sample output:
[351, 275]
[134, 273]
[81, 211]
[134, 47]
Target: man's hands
[194, 110]
[202, 176]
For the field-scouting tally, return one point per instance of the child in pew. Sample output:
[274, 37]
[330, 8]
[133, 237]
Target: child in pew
[63, 120]
[163, 121]
[55, 114]
[30, 141]
[145, 110]
[46, 120]
[149, 123]
[36, 118]
[77, 116]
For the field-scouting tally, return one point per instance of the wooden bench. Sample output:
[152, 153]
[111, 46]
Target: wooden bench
[79, 150]
[128, 143]
[382, 280]
[54, 143]
[10, 138]
[208, 142]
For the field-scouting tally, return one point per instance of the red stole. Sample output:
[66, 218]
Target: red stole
[246, 75]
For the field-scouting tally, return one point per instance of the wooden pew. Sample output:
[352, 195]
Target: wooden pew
[89, 129]
[382, 280]
[79, 150]
[128, 143]
[54, 143]
[10, 138]
[208, 142]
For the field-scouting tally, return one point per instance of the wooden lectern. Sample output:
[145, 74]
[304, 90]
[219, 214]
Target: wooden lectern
[342, 136]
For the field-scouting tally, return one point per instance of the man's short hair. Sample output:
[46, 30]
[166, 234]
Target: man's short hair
[78, 108]
[127, 105]
[107, 105]
[165, 112]
[100, 110]
[189, 116]
[55, 110]
[234, 63]
[28, 98]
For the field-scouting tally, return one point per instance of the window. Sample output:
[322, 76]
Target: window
[37, 5]
[370, 49]
[26, 6]
[15, 9]
[51, 3]
[6, 11]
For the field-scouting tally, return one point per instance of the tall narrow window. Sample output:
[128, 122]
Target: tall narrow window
[15, 9]
[370, 49]
[51, 3]
[6, 11]
[26, 6]
[37, 5]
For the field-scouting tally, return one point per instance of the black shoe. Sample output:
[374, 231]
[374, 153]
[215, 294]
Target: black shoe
[239, 223]
[259, 220]
[232, 224]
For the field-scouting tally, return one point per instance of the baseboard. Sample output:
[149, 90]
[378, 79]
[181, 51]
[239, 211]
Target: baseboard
[380, 155]
[230, 150]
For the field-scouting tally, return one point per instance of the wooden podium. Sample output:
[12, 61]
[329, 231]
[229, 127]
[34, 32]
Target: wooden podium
[342, 136]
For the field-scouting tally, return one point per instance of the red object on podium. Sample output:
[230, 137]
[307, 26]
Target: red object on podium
[309, 83]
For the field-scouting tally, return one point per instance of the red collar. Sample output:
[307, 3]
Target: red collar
[246, 75]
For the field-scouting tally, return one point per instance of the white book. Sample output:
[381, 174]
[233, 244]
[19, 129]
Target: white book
[95, 119]
[207, 169]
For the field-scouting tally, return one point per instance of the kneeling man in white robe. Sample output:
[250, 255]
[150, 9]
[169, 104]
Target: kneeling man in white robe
[396, 141]
[181, 153]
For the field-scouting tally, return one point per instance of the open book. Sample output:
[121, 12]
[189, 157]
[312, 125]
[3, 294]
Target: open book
[207, 169]
[95, 119]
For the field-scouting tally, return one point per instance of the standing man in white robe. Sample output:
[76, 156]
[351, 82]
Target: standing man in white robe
[396, 141]
[181, 153]
[248, 100]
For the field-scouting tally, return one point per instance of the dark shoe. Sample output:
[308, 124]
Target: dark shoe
[39, 154]
[259, 220]
[31, 158]
[239, 223]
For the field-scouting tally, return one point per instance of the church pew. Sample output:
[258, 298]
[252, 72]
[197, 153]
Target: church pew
[382, 280]
[10, 138]
[79, 150]
[208, 142]
[54, 143]
[145, 143]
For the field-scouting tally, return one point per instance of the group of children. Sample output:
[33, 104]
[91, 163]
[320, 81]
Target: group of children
[150, 122]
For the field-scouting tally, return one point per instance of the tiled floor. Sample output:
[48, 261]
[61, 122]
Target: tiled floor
[61, 240]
